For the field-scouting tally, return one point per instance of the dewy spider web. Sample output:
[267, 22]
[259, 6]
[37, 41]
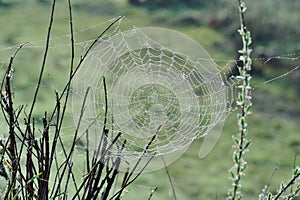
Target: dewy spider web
[158, 80]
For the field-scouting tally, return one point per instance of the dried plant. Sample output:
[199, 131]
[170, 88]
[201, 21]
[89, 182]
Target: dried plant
[43, 176]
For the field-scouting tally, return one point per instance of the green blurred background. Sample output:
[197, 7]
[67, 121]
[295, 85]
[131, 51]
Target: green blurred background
[274, 125]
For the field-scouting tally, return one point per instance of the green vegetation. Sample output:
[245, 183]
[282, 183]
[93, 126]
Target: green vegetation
[273, 127]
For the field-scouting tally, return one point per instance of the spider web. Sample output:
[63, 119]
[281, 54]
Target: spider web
[158, 81]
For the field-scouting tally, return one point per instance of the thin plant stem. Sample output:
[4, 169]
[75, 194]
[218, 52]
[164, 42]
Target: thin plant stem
[74, 140]
[241, 143]
[169, 178]
[288, 185]
[152, 191]
[12, 145]
[43, 62]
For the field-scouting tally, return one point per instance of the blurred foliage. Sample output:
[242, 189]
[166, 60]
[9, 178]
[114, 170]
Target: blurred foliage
[272, 31]
[4, 3]
[153, 4]
[274, 23]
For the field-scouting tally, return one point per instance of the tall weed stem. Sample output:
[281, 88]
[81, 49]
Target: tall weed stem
[241, 143]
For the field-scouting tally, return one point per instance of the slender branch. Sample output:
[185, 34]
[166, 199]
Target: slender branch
[169, 177]
[74, 141]
[152, 191]
[11, 145]
[127, 176]
[290, 183]
[74, 73]
[84, 57]
[244, 102]
[43, 62]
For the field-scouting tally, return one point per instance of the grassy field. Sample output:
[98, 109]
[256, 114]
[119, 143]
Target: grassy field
[273, 126]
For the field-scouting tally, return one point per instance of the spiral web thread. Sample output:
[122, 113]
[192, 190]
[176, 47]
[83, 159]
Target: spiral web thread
[150, 85]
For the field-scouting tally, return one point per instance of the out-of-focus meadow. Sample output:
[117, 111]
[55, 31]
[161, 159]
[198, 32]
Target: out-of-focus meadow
[274, 125]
